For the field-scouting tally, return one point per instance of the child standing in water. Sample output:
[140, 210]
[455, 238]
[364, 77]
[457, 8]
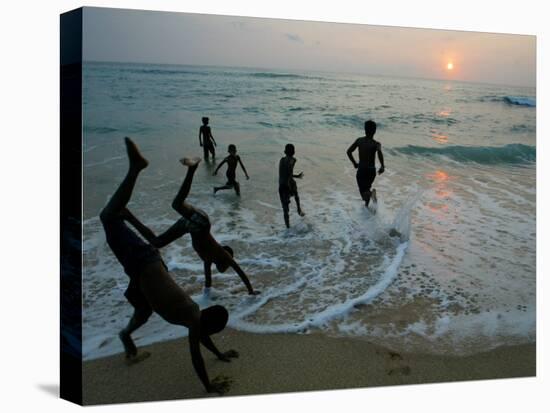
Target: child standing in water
[232, 160]
[287, 184]
[207, 142]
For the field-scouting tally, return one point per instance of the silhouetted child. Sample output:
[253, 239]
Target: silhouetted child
[207, 142]
[152, 288]
[232, 160]
[287, 184]
[193, 221]
[366, 168]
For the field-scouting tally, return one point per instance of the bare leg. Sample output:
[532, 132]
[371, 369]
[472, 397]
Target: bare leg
[373, 195]
[221, 188]
[122, 195]
[139, 318]
[286, 217]
[366, 197]
[237, 187]
[300, 212]
[179, 203]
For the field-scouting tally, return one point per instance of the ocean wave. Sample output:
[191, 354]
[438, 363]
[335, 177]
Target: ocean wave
[273, 75]
[523, 128]
[274, 125]
[334, 311]
[344, 120]
[508, 154]
[293, 90]
[316, 258]
[511, 100]
[487, 98]
[521, 100]
[421, 117]
[162, 71]
[99, 129]
[287, 89]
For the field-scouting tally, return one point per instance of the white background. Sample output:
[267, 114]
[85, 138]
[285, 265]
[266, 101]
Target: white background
[29, 194]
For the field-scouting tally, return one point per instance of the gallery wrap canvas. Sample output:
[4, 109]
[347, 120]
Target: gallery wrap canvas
[253, 206]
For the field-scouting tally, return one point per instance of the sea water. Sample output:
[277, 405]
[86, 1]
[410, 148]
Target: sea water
[445, 265]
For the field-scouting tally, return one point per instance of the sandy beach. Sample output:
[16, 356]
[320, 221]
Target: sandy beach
[276, 363]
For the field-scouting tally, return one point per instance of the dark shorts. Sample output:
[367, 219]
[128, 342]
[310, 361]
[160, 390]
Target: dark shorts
[198, 222]
[208, 147]
[133, 253]
[231, 178]
[286, 192]
[365, 178]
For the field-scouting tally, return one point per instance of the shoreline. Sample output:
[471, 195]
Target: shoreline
[280, 363]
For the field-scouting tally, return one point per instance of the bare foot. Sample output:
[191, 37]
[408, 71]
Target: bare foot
[190, 162]
[129, 347]
[373, 195]
[302, 213]
[136, 159]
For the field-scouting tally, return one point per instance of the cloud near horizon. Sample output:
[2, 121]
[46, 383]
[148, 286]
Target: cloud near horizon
[182, 38]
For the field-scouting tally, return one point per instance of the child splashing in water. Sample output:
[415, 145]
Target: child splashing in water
[232, 161]
[287, 184]
[366, 169]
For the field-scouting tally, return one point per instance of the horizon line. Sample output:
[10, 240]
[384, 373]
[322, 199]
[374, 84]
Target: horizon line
[312, 70]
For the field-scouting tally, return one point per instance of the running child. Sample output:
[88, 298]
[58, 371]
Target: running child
[232, 161]
[287, 184]
[366, 168]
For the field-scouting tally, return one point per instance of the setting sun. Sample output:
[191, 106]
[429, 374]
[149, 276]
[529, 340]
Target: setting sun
[450, 66]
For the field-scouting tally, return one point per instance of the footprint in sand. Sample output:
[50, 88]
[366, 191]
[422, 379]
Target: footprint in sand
[396, 364]
[130, 361]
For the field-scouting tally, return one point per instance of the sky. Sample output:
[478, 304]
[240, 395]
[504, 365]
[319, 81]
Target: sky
[195, 39]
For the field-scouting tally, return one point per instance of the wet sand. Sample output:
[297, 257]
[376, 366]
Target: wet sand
[276, 363]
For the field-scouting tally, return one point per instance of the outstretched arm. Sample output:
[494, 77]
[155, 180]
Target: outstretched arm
[212, 137]
[195, 338]
[219, 166]
[145, 231]
[196, 356]
[380, 158]
[244, 169]
[244, 278]
[350, 153]
[225, 356]
[170, 235]
[293, 164]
